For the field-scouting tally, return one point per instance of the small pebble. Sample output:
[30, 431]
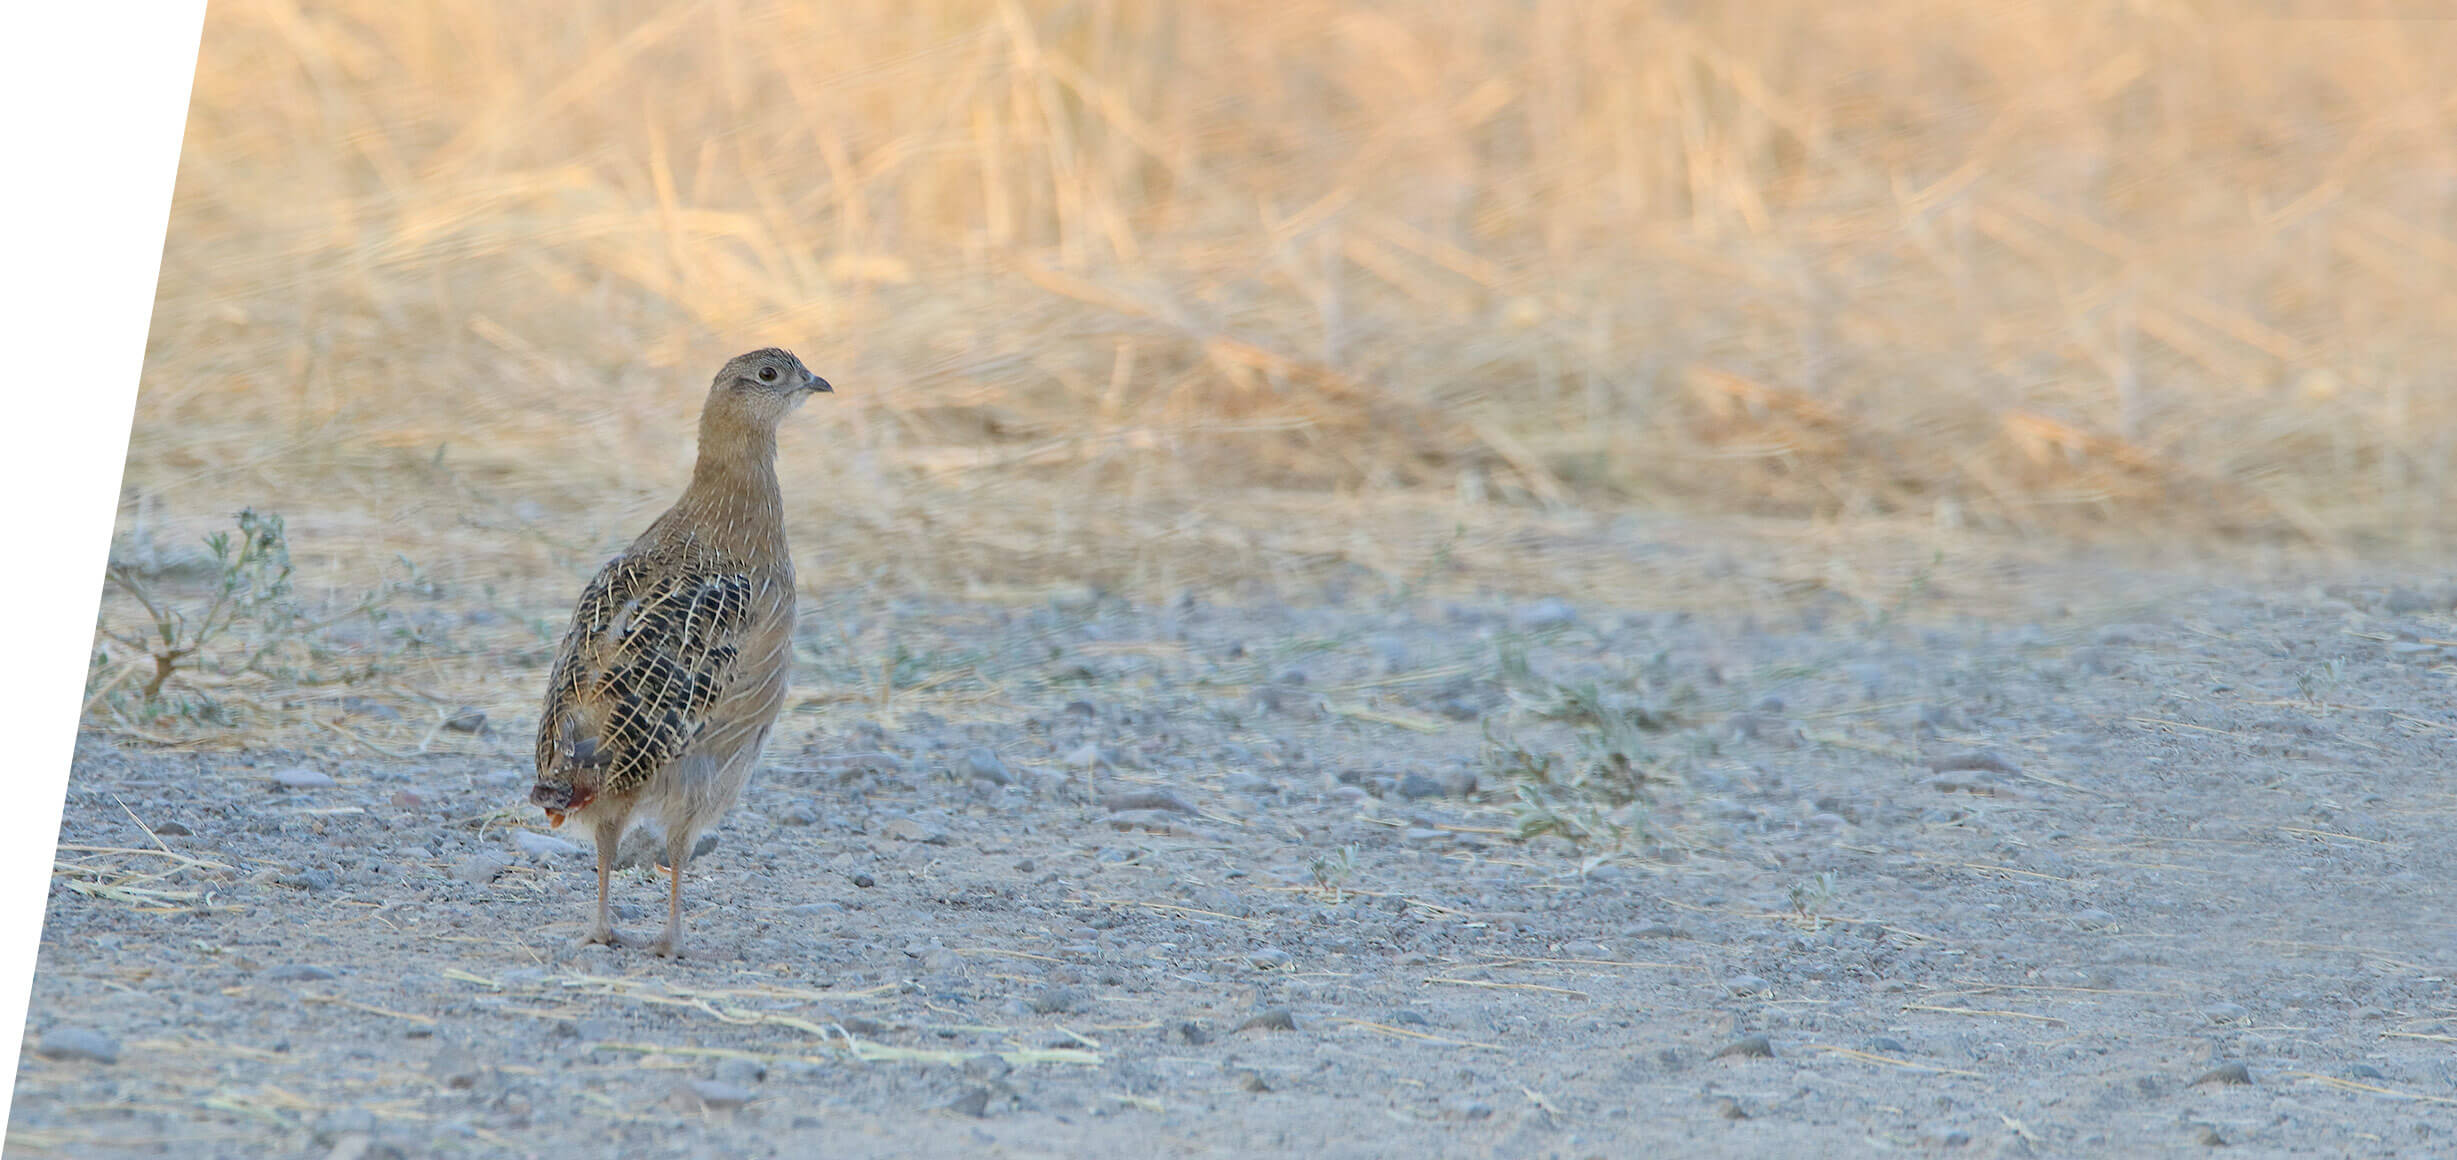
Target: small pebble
[1146, 799]
[908, 830]
[1251, 1080]
[455, 1069]
[481, 868]
[717, 1095]
[1270, 1019]
[300, 973]
[1747, 1047]
[1267, 958]
[1543, 615]
[1058, 1001]
[1086, 756]
[312, 880]
[301, 777]
[2225, 1073]
[544, 846]
[1747, 985]
[1974, 759]
[466, 719]
[79, 1043]
[974, 1102]
[984, 765]
[798, 814]
[332, 1126]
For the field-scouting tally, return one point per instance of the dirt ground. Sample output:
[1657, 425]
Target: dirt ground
[2154, 866]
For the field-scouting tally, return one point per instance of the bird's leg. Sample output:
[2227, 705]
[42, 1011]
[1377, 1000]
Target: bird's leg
[609, 836]
[678, 851]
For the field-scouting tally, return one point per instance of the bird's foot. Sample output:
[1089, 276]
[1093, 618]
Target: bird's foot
[606, 936]
[667, 947]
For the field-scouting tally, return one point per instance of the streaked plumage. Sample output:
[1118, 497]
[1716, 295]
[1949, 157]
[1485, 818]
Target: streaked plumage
[674, 667]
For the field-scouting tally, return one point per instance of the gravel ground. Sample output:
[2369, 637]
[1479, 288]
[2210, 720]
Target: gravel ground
[1224, 880]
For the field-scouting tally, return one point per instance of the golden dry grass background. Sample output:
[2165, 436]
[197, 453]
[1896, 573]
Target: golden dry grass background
[1138, 293]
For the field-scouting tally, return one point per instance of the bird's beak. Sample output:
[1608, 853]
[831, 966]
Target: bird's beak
[818, 385]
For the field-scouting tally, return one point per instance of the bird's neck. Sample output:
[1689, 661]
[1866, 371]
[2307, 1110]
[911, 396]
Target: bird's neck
[733, 488]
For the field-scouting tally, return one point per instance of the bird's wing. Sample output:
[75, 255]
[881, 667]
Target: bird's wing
[653, 649]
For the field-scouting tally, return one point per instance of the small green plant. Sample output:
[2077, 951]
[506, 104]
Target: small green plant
[252, 583]
[1912, 590]
[1540, 811]
[248, 622]
[1510, 665]
[1440, 561]
[2317, 683]
[1811, 895]
[1596, 790]
[1332, 871]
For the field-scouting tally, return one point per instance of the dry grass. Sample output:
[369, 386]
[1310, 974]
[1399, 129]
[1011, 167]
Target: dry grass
[1140, 294]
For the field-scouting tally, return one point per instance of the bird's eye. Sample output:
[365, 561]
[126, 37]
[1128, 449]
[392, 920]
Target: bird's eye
[767, 374]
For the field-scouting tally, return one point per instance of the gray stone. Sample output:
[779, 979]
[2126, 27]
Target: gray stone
[544, 847]
[1977, 759]
[1466, 1108]
[1270, 1019]
[1542, 615]
[1146, 799]
[1747, 1047]
[1267, 958]
[83, 1043]
[716, 1095]
[481, 868]
[798, 814]
[1058, 1001]
[909, 830]
[1086, 756]
[984, 765]
[300, 973]
[301, 777]
[312, 879]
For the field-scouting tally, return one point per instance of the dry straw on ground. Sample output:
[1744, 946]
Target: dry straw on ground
[1143, 294]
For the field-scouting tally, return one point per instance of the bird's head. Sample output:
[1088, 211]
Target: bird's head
[768, 383]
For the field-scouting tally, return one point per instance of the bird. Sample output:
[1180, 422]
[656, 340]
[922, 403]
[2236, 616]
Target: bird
[669, 679]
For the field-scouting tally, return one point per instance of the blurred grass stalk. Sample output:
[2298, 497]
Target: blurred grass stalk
[1124, 290]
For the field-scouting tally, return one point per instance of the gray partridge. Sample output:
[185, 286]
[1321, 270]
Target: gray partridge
[674, 667]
